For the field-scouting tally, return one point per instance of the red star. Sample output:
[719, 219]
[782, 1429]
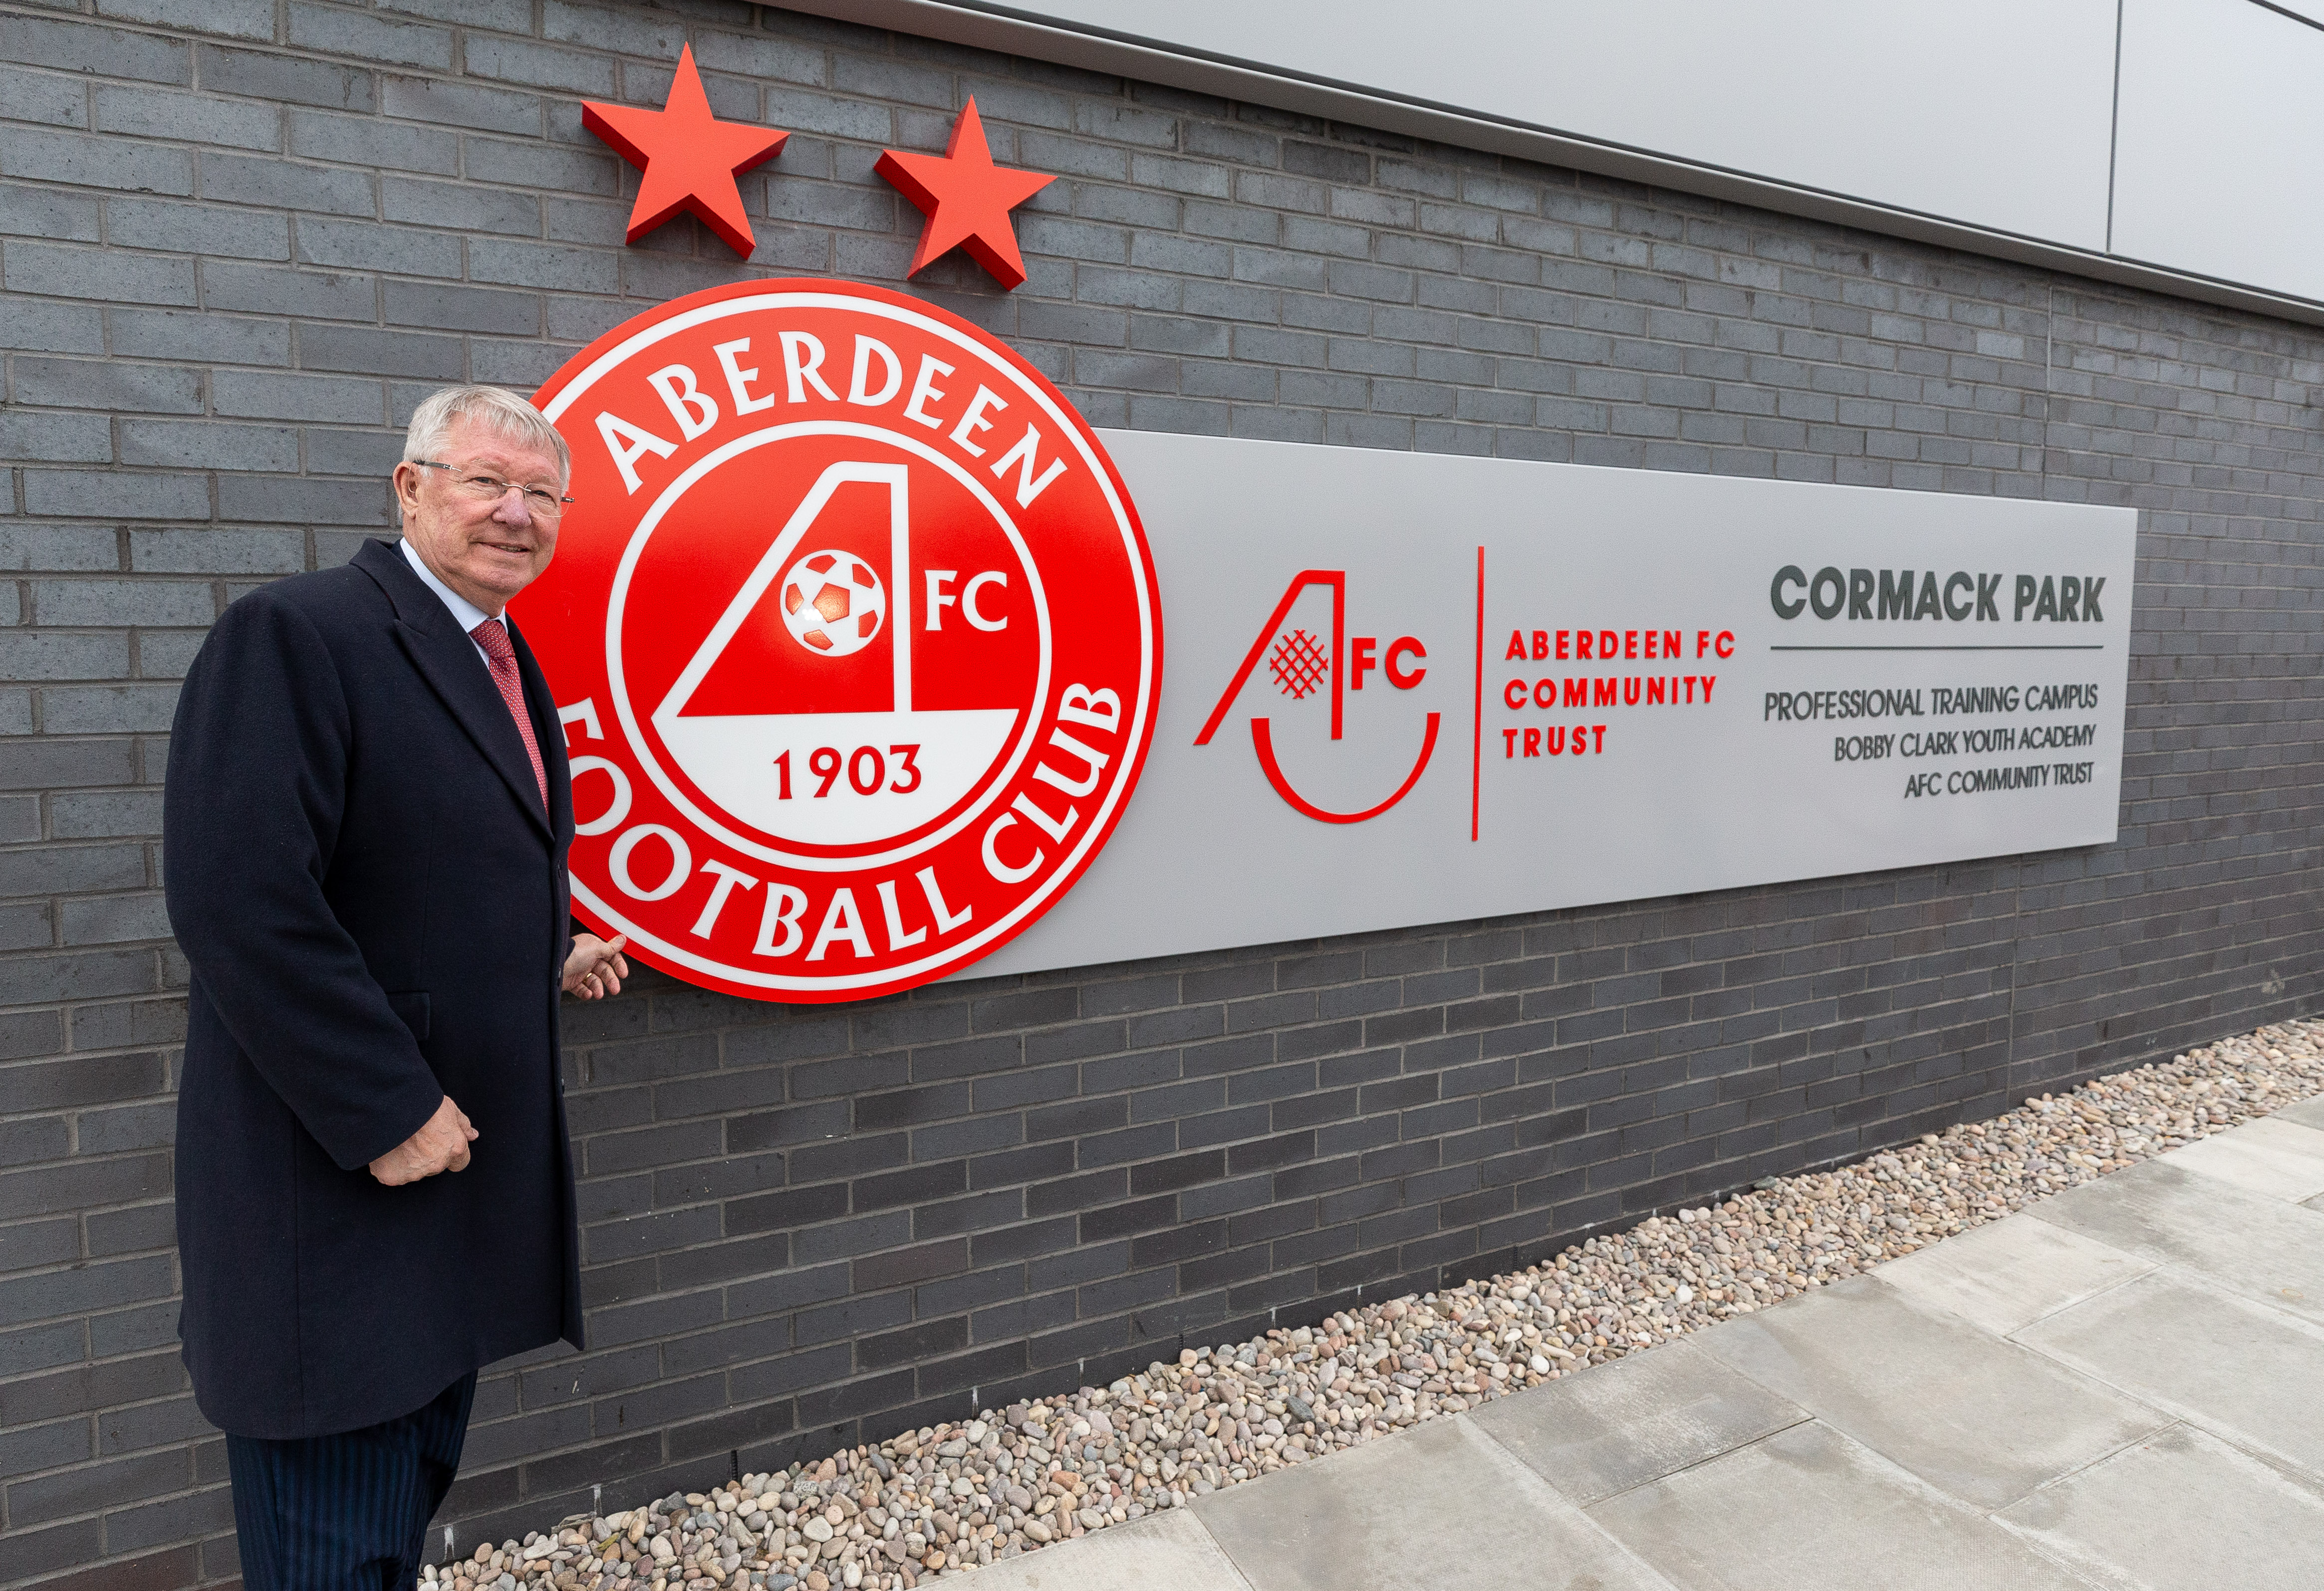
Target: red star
[687, 157]
[966, 199]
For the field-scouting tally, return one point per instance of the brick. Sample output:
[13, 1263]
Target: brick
[82, 47]
[108, 709]
[240, 19]
[331, 29]
[198, 229]
[36, 326]
[62, 764]
[89, 273]
[40, 212]
[316, 293]
[602, 28]
[462, 309]
[85, 1080]
[343, 399]
[43, 97]
[352, 453]
[264, 74]
[115, 919]
[362, 349]
[779, 60]
[90, 815]
[93, 494]
[543, 265]
[172, 1520]
[803, 112]
[256, 498]
[56, 438]
[462, 206]
[369, 246]
[34, 1348]
[166, 655]
[439, 104]
[90, 1486]
[161, 334]
[192, 118]
[51, 1293]
[538, 66]
[257, 179]
[213, 552]
[366, 141]
[209, 444]
[531, 165]
[522, 366]
[35, 654]
[136, 389]
[47, 1447]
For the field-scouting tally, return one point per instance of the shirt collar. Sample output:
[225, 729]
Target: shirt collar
[465, 613]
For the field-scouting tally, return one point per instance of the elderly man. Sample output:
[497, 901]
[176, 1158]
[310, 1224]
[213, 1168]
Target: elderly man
[365, 823]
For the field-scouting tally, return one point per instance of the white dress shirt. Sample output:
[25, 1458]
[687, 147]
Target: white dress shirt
[464, 612]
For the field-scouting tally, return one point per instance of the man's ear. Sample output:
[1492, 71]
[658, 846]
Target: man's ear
[404, 482]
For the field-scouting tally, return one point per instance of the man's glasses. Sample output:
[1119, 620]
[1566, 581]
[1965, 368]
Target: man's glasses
[538, 501]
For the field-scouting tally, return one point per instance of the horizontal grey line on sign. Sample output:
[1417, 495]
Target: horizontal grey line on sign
[2059, 647]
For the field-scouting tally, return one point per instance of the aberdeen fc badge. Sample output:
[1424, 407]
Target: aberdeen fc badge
[854, 635]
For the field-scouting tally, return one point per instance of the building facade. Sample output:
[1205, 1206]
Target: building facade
[239, 239]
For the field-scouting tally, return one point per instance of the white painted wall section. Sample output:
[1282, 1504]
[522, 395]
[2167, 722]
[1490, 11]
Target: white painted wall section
[2220, 165]
[2168, 143]
[1991, 112]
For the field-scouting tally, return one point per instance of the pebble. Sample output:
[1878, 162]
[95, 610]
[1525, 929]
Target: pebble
[943, 1500]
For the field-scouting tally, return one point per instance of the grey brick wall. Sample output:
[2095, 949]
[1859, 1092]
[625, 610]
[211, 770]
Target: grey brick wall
[240, 238]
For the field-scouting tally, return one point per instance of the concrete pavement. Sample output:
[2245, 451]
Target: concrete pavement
[2121, 1388]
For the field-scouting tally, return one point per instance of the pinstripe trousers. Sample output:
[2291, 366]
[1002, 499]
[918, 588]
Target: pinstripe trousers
[346, 1513]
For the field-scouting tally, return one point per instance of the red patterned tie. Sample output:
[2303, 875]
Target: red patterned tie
[495, 640]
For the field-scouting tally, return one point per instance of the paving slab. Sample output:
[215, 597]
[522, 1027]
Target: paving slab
[1971, 1413]
[1165, 1552]
[2281, 1159]
[2242, 1370]
[2243, 1242]
[1634, 1420]
[1441, 1504]
[2010, 1273]
[2150, 1518]
[1808, 1510]
[2308, 1112]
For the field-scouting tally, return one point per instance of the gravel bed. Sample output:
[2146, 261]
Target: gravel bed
[936, 1501]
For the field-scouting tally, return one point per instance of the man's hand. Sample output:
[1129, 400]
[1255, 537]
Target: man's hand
[596, 967]
[441, 1144]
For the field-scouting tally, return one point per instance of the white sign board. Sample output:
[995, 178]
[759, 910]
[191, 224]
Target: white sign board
[1403, 688]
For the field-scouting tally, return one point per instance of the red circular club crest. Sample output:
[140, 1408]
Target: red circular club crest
[854, 632]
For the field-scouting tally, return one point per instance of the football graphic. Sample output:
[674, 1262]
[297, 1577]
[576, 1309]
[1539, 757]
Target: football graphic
[833, 602]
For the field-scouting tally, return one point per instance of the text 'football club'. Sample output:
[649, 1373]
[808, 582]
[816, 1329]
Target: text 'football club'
[854, 634]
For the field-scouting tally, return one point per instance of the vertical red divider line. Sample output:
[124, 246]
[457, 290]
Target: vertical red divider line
[1477, 721]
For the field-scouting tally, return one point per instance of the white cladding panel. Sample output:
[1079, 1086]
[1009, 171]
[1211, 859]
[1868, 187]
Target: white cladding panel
[2164, 142]
[1817, 747]
[2222, 123]
[1994, 113]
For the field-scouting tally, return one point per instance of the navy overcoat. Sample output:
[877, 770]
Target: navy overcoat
[373, 906]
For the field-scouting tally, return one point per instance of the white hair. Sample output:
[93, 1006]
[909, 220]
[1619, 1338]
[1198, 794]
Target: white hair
[499, 411]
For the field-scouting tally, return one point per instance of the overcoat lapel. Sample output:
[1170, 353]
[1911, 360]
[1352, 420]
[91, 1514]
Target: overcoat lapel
[448, 660]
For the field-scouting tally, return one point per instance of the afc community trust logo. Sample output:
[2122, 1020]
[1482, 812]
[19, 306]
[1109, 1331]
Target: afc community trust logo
[855, 635]
[1301, 665]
